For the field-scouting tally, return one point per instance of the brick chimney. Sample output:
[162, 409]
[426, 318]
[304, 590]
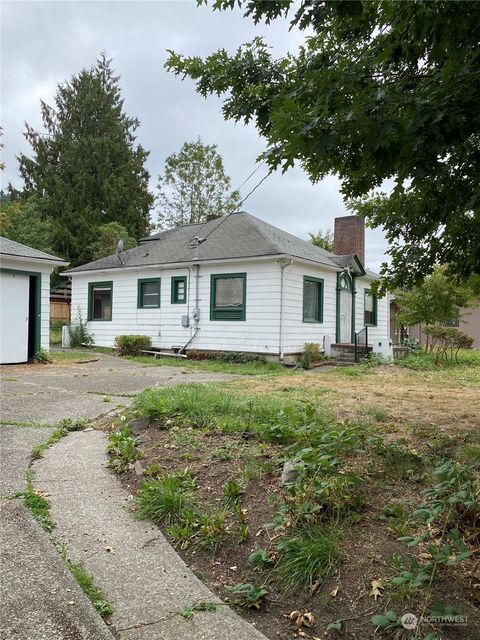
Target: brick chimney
[349, 237]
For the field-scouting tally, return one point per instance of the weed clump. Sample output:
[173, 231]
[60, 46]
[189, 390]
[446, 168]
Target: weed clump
[169, 500]
[307, 557]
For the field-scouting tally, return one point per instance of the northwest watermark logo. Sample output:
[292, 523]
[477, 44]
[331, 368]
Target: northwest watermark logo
[409, 621]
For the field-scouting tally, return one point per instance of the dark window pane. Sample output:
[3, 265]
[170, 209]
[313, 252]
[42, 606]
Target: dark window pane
[102, 303]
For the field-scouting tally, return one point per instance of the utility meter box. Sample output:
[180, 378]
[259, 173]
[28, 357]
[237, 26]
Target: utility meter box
[196, 313]
[185, 321]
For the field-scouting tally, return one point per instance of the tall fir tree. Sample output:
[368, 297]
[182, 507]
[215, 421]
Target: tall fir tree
[86, 169]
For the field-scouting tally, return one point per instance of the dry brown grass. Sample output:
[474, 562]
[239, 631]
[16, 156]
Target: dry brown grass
[408, 397]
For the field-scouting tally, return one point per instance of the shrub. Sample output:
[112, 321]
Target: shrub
[305, 360]
[132, 345]
[447, 341]
[314, 349]
[235, 357]
[413, 345]
[79, 336]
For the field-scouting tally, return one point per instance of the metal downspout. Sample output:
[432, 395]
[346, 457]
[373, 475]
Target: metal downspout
[195, 310]
[283, 265]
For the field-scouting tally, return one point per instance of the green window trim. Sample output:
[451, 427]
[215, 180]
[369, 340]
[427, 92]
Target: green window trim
[373, 323]
[141, 282]
[228, 313]
[176, 295]
[91, 288]
[319, 311]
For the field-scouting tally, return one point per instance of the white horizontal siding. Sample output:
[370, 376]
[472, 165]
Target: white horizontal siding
[378, 336]
[298, 332]
[45, 271]
[258, 333]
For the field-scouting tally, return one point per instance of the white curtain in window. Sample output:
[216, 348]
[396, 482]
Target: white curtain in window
[229, 292]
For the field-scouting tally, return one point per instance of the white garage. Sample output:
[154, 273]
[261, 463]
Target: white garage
[24, 300]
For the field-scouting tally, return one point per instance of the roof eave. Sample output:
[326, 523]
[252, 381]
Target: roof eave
[55, 262]
[185, 263]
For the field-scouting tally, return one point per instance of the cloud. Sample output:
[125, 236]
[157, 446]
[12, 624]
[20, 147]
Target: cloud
[45, 43]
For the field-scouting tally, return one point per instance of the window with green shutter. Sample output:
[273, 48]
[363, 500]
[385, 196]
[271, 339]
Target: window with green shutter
[148, 293]
[179, 290]
[228, 292]
[312, 299]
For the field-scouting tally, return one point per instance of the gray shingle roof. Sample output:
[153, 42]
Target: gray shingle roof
[238, 235]
[11, 248]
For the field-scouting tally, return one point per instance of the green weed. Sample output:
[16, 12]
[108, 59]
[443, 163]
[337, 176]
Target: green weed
[249, 595]
[213, 531]
[38, 505]
[63, 428]
[93, 593]
[307, 557]
[261, 558]
[188, 611]
[168, 500]
[122, 448]
[232, 493]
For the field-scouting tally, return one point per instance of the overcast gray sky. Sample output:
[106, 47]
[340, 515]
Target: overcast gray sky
[44, 43]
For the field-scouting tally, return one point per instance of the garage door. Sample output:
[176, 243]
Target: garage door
[14, 306]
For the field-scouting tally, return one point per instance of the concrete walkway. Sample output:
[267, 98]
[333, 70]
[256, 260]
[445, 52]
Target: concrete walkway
[137, 569]
[40, 599]
[144, 578]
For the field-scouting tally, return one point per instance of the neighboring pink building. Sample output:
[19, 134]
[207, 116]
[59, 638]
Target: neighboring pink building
[469, 323]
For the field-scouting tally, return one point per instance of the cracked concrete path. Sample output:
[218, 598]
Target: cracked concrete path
[140, 573]
[36, 584]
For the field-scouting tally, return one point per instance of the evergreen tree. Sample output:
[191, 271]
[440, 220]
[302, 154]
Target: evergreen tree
[194, 186]
[86, 169]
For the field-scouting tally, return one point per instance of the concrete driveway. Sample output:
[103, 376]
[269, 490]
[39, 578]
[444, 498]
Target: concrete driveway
[44, 394]
[40, 599]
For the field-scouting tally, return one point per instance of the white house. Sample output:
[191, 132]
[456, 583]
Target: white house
[233, 284]
[25, 300]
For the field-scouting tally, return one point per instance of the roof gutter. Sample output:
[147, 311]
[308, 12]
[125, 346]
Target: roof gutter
[182, 265]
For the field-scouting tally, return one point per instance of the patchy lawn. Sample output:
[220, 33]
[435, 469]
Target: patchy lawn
[376, 454]
[72, 356]
[251, 368]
